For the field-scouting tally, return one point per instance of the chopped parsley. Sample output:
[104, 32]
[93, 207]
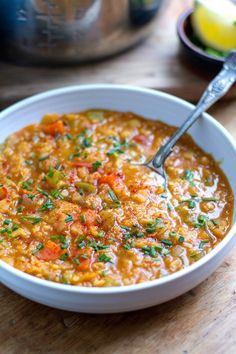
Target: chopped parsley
[166, 242]
[50, 173]
[96, 165]
[29, 162]
[72, 156]
[43, 158]
[113, 196]
[84, 256]
[68, 136]
[201, 221]
[151, 229]
[97, 246]
[86, 142]
[104, 258]
[69, 217]
[151, 251]
[214, 222]
[40, 190]
[201, 244]
[209, 199]
[34, 219]
[64, 256]
[81, 244]
[55, 193]
[76, 260]
[191, 203]
[83, 218]
[47, 205]
[115, 152]
[189, 176]
[38, 248]
[27, 184]
[62, 239]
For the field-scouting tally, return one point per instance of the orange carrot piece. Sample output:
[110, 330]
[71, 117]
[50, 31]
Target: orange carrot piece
[54, 128]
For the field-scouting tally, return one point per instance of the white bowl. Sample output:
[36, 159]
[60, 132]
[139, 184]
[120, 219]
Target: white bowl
[207, 132]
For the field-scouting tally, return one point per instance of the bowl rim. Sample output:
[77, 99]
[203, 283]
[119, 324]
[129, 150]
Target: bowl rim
[50, 285]
[189, 44]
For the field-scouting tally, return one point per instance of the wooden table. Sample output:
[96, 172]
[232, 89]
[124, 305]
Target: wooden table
[157, 63]
[201, 321]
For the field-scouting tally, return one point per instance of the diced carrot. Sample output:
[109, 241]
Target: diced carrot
[141, 139]
[3, 193]
[54, 128]
[50, 252]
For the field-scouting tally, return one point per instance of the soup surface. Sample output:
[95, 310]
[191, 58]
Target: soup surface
[75, 209]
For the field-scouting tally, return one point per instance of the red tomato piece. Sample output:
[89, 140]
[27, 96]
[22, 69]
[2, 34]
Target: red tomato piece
[141, 139]
[3, 193]
[114, 181]
[82, 258]
[50, 252]
[83, 164]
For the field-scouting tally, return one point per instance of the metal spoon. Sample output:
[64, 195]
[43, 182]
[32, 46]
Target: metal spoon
[217, 88]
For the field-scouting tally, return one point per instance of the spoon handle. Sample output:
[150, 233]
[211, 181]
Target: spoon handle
[215, 90]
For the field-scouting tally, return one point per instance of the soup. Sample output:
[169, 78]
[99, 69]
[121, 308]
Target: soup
[76, 208]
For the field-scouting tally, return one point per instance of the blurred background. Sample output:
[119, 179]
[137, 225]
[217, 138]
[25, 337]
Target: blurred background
[160, 44]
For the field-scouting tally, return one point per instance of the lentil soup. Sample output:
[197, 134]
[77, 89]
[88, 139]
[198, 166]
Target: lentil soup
[74, 208]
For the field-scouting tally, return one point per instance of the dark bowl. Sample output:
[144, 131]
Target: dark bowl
[192, 46]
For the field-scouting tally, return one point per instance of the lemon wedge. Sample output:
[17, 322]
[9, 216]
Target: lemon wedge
[214, 23]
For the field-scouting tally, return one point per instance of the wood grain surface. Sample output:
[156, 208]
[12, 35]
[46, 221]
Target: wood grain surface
[201, 321]
[156, 63]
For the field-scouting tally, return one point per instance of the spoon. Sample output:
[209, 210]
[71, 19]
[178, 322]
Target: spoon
[217, 88]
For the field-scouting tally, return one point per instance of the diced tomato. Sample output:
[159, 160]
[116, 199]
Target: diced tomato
[27, 202]
[50, 252]
[5, 166]
[3, 193]
[90, 217]
[113, 180]
[82, 164]
[82, 257]
[141, 139]
[54, 128]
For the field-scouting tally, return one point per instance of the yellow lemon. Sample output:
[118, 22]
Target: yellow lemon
[214, 22]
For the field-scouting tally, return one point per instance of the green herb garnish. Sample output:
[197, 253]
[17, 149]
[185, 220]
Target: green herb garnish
[64, 256]
[69, 217]
[83, 218]
[38, 248]
[43, 158]
[34, 219]
[96, 165]
[104, 258]
[166, 242]
[47, 205]
[189, 176]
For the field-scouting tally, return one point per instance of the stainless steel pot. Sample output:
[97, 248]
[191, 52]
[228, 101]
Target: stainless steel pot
[65, 31]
